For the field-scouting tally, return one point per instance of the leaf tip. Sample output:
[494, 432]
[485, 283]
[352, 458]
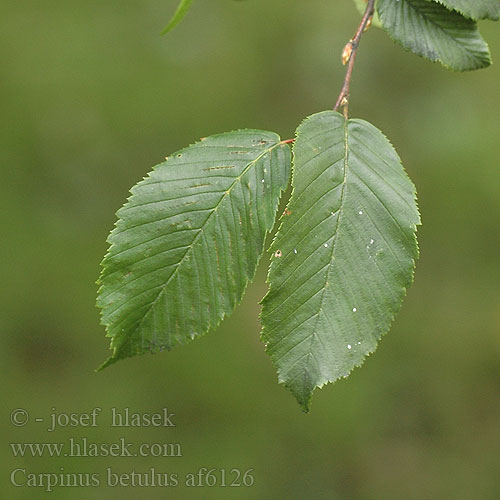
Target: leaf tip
[178, 16]
[305, 406]
[111, 360]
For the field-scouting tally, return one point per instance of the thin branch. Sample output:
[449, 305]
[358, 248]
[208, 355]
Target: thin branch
[349, 56]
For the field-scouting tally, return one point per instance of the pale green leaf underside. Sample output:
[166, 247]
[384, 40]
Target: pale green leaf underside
[474, 9]
[361, 6]
[344, 253]
[189, 239]
[178, 16]
[432, 31]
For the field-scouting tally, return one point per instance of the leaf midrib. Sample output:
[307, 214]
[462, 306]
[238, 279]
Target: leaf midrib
[335, 235]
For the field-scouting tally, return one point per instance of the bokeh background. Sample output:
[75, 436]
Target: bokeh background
[91, 98]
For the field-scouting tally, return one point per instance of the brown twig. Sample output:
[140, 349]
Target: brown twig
[349, 56]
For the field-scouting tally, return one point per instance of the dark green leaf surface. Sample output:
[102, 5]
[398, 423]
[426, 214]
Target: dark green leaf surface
[189, 239]
[343, 256]
[474, 9]
[432, 31]
[178, 16]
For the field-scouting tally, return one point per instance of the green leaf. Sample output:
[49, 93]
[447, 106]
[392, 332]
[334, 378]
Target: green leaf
[344, 254]
[474, 9]
[188, 241]
[434, 32]
[361, 6]
[178, 16]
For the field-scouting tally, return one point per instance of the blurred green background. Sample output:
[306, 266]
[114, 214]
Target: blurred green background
[91, 98]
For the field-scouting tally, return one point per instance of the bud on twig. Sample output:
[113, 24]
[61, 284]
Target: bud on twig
[368, 24]
[346, 53]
